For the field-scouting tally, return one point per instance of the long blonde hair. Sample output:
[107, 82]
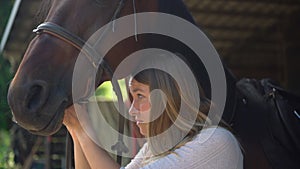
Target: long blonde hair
[180, 99]
[171, 100]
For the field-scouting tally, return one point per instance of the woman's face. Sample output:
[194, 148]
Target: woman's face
[140, 106]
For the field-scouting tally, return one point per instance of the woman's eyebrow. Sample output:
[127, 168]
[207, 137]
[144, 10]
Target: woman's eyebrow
[137, 90]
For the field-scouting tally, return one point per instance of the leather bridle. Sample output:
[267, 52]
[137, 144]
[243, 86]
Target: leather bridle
[99, 63]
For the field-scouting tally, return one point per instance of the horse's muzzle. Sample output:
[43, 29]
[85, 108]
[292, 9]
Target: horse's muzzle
[28, 102]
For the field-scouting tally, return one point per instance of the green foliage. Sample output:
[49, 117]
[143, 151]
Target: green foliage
[105, 91]
[5, 8]
[6, 153]
[5, 76]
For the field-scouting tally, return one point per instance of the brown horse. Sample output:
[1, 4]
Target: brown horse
[42, 87]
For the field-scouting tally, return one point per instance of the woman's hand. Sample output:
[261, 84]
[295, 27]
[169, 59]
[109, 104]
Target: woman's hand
[87, 153]
[73, 125]
[71, 120]
[78, 122]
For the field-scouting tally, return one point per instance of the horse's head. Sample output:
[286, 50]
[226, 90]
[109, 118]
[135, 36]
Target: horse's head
[42, 87]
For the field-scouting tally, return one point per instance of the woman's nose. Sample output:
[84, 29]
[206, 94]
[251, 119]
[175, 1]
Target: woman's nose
[132, 110]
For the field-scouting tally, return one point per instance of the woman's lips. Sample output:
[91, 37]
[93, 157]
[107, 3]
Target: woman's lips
[139, 122]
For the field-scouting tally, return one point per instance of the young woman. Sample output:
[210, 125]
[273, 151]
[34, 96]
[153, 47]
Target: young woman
[178, 133]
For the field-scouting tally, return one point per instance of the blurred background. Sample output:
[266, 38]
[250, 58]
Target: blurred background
[6, 154]
[255, 38]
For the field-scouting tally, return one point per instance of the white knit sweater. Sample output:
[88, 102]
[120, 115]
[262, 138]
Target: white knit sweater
[213, 148]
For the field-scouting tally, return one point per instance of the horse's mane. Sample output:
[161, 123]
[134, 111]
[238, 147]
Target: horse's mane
[43, 10]
[178, 8]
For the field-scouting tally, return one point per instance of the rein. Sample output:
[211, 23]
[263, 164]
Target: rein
[92, 55]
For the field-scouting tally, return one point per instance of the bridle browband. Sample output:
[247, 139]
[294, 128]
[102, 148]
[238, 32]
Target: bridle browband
[96, 60]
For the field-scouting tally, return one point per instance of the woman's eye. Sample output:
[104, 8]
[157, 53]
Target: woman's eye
[140, 96]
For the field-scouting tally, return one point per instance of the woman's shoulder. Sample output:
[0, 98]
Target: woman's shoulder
[214, 139]
[214, 135]
[213, 145]
[215, 142]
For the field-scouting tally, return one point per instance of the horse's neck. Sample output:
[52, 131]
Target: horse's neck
[178, 8]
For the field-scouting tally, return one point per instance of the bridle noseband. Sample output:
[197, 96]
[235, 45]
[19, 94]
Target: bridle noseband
[98, 62]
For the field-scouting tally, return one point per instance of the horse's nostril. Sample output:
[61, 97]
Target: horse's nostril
[36, 96]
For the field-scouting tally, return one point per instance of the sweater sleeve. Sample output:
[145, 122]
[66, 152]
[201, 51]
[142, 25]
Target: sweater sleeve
[137, 161]
[213, 148]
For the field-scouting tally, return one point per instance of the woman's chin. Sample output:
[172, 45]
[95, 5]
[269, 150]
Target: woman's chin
[143, 128]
